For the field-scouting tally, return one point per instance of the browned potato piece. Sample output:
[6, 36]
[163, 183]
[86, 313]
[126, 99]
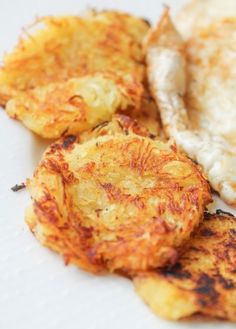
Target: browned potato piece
[75, 105]
[116, 200]
[204, 279]
[59, 48]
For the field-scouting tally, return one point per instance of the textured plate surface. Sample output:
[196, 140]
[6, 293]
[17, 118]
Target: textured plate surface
[36, 289]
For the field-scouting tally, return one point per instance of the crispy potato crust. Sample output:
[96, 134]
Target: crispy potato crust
[56, 49]
[116, 200]
[78, 104]
[204, 278]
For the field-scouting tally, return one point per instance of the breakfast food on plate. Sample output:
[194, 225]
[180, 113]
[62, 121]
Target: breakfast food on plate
[109, 195]
[75, 105]
[204, 279]
[58, 48]
[199, 14]
[193, 84]
[116, 201]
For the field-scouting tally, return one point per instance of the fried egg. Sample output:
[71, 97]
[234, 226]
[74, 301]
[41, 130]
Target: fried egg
[198, 14]
[193, 84]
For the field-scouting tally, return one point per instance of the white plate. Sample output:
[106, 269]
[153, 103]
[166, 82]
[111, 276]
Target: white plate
[37, 291]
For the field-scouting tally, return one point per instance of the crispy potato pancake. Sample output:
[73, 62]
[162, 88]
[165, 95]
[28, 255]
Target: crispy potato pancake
[198, 14]
[116, 200]
[58, 48]
[193, 84]
[75, 105]
[204, 278]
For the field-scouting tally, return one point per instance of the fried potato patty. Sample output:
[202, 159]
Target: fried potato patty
[75, 105]
[204, 278]
[58, 48]
[193, 84]
[117, 200]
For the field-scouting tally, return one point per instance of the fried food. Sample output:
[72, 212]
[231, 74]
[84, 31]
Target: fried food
[56, 49]
[147, 114]
[75, 105]
[193, 85]
[116, 200]
[120, 124]
[204, 279]
[198, 14]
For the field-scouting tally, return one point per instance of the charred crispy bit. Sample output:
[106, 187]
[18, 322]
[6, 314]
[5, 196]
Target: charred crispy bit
[116, 199]
[204, 279]
[222, 212]
[18, 187]
[56, 49]
[193, 85]
[67, 108]
[68, 141]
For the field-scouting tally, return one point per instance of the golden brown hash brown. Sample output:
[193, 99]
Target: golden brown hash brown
[204, 278]
[116, 201]
[58, 48]
[75, 105]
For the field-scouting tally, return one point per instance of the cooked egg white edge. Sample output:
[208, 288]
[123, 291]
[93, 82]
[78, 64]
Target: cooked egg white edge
[166, 73]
